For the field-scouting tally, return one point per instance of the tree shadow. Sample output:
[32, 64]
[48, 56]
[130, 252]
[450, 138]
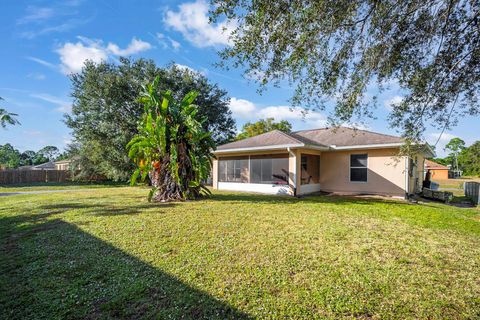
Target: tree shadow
[105, 209]
[53, 269]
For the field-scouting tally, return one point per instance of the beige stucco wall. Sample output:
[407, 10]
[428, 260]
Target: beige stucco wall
[416, 180]
[386, 173]
[215, 174]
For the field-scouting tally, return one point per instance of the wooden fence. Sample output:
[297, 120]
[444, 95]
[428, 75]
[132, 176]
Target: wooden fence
[29, 176]
[472, 190]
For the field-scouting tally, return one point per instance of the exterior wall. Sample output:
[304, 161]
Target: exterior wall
[416, 180]
[255, 187]
[308, 188]
[215, 174]
[439, 174]
[386, 173]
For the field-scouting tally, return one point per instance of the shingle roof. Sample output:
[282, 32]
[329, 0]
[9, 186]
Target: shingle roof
[433, 165]
[344, 136]
[325, 137]
[272, 138]
[46, 165]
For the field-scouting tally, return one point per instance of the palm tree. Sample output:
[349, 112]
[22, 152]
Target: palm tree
[171, 146]
[7, 117]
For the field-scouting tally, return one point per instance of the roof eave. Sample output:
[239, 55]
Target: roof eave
[368, 146]
[260, 148]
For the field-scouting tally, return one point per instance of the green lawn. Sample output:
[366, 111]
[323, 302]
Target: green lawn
[107, 253]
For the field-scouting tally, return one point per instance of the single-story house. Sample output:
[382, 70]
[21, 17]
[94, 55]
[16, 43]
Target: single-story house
[63, 164]
[339, 159]
[437, 171]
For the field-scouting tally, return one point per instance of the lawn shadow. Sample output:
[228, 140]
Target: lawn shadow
[53, 269]
[106, 209]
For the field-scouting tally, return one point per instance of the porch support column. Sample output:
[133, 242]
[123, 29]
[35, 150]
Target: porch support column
[292, 170]
[215, 173]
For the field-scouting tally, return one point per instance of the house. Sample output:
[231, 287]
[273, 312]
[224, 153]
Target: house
[339, 159]
[437, 171]
[63, 164]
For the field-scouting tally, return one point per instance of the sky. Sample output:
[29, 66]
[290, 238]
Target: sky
[45, 41]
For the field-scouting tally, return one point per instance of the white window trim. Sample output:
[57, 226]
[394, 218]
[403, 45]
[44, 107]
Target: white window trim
[350, 168]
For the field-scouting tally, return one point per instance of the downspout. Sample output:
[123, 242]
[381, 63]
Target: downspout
[407, 180]
[294, 173]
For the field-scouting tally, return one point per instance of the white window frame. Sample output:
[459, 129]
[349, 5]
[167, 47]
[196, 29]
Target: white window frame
[350, 167]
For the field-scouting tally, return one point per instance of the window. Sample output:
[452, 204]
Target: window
[358, 167]
[233, 170]
[310, 169]
[269, 170]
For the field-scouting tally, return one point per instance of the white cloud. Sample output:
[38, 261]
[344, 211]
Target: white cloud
[36, 14]
[433, 137]
[184, 67]
[247, 110]
[62, 105]
[191, 20]
[43, 62]
[36, 76]
[135, 46]
[242, 108]
[166, 41]
[74, 55]
[395, 100]
[175, 44]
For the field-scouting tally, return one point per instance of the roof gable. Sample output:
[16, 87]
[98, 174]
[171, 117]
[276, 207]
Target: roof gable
[433, 165]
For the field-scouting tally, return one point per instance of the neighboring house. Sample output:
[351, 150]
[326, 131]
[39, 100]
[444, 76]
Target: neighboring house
[63, 164]
[44, 166]
[341, 160]
[437, 171]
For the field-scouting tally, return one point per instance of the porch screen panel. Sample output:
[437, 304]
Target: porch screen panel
[269, 170]
[233, 170]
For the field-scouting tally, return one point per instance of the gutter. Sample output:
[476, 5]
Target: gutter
[367, 146]
[283, 146]
[407, 178]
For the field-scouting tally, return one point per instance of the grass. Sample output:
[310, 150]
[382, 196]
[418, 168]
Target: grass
[108, 253]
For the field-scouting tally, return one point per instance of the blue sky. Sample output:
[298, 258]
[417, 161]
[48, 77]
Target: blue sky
[44, 41]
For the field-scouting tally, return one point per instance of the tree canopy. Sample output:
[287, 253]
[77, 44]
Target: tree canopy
[462, 157]
[106, 110]
[11, 158]
[263, 125]
[469, 160]
[332, 50]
